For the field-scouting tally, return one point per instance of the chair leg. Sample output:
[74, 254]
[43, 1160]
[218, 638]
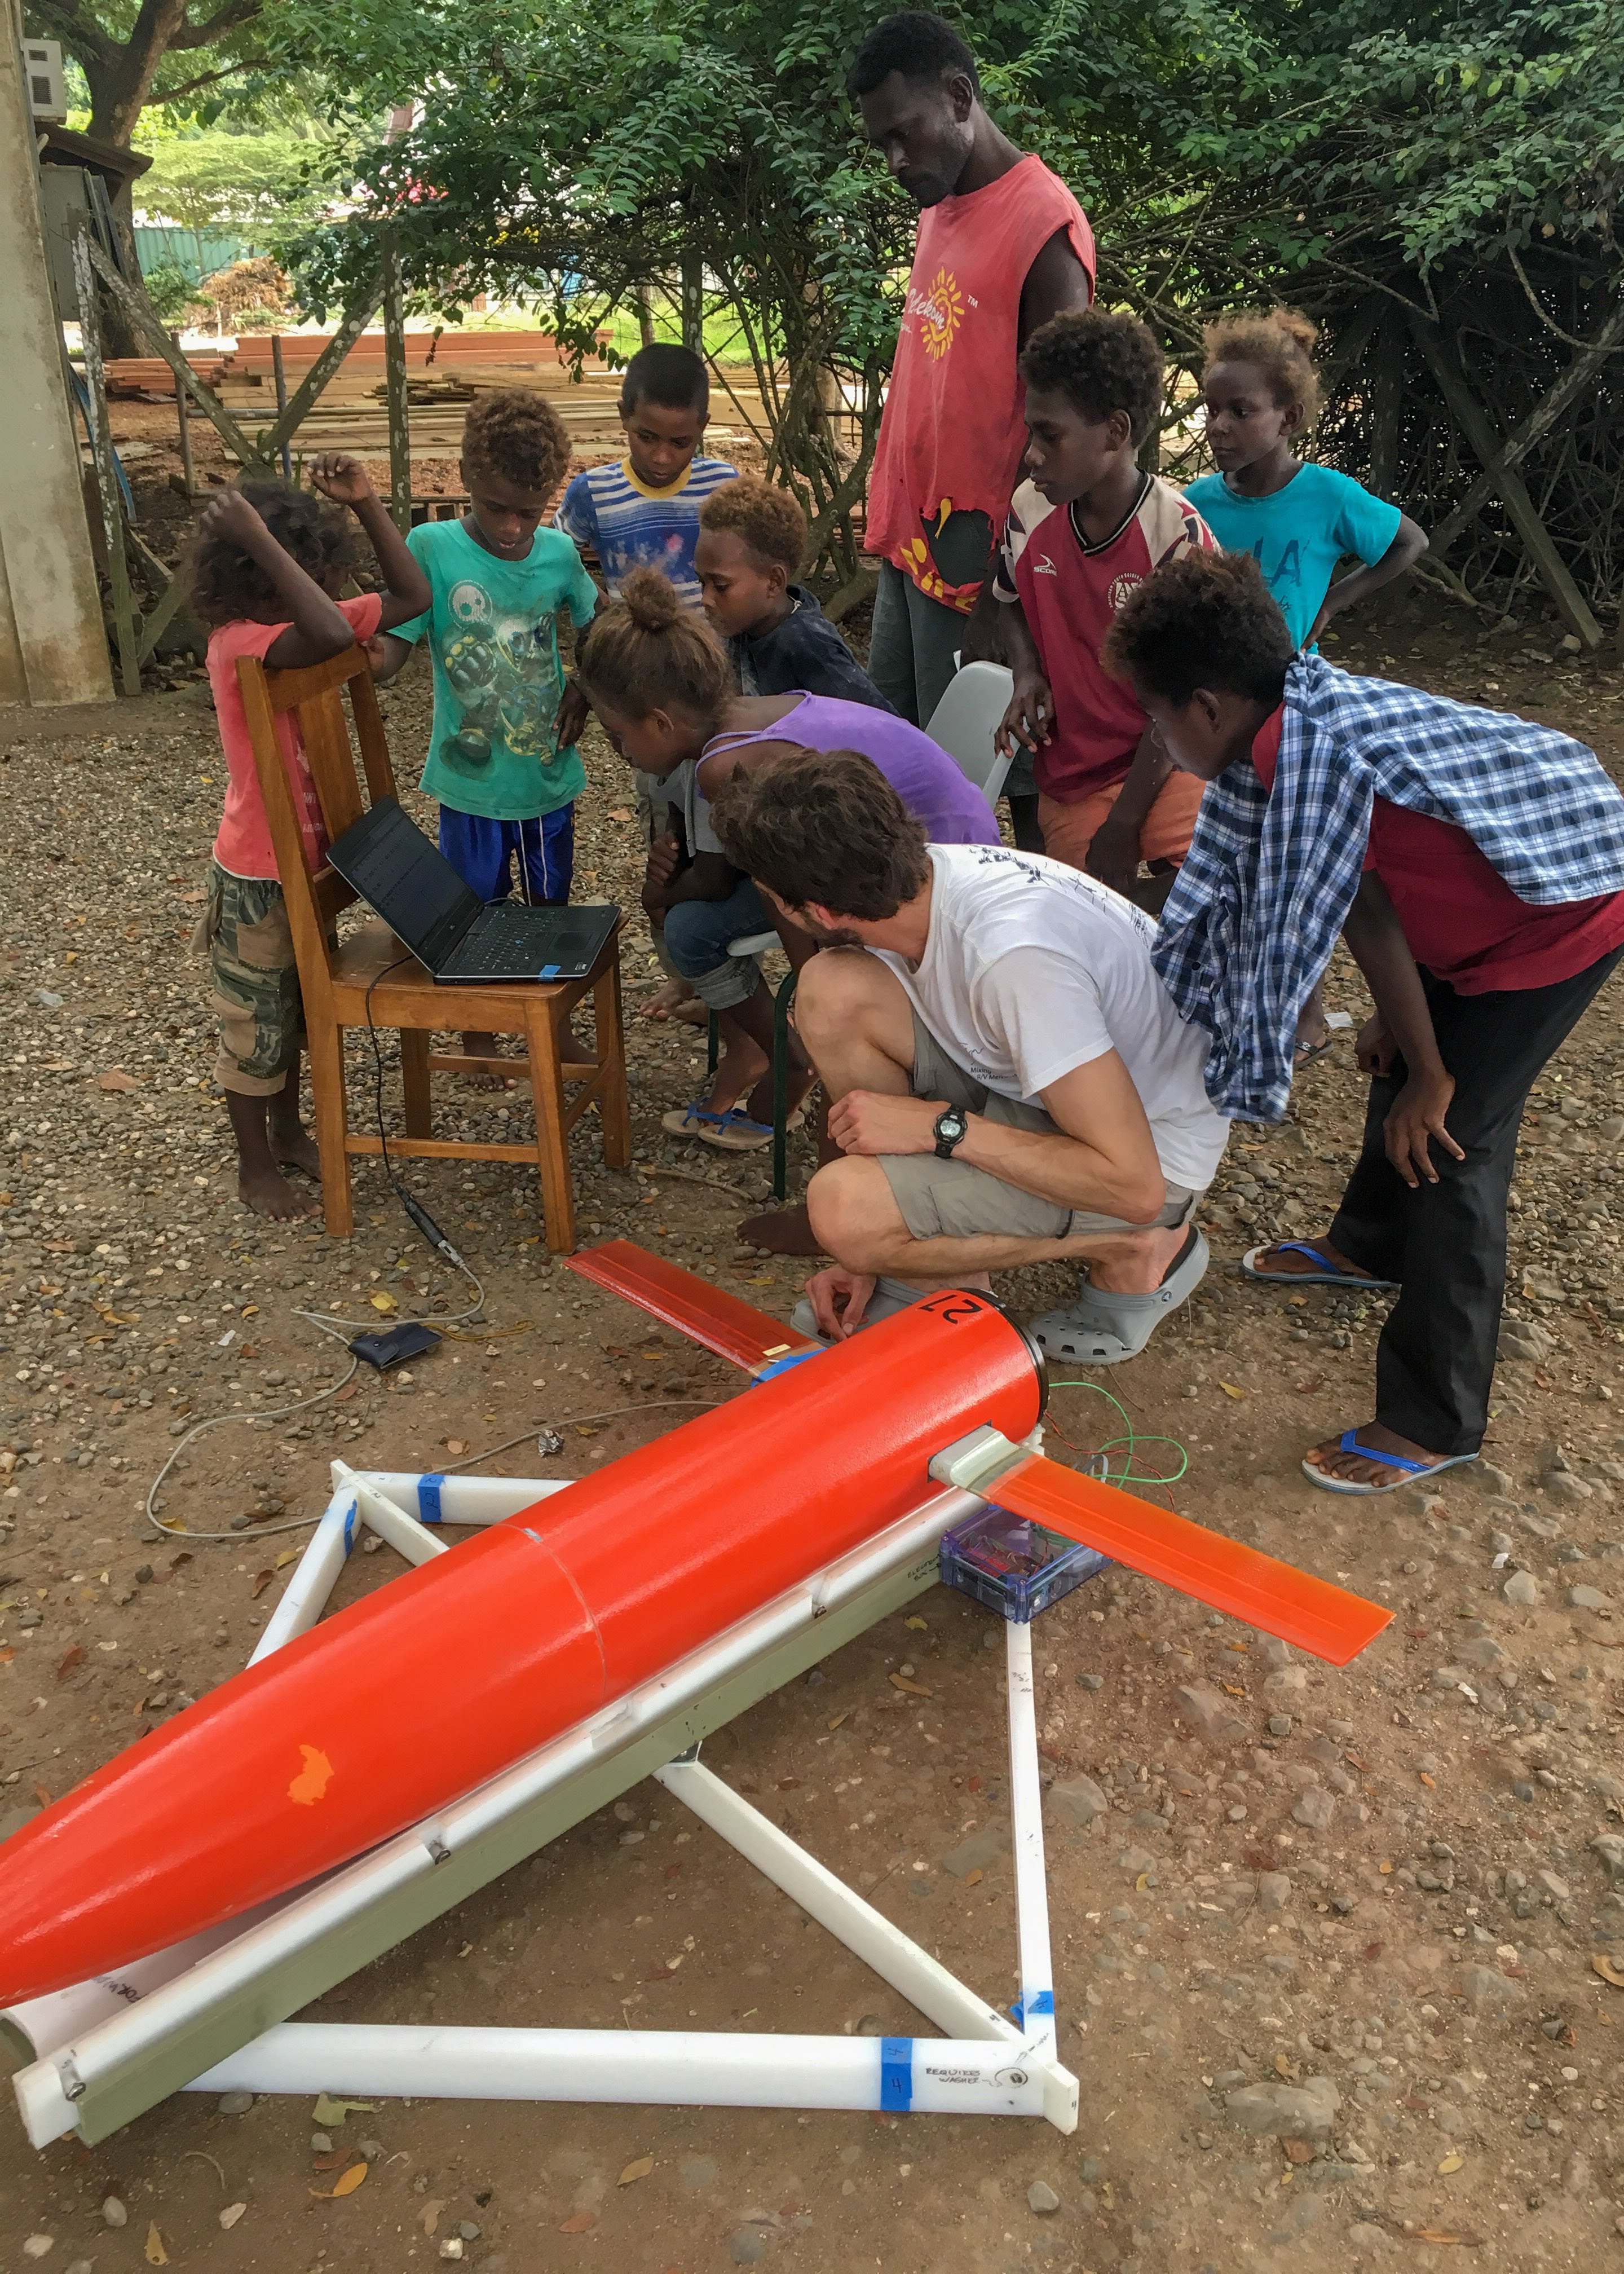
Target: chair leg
[783, 1004]
[415, 1081]
[713, 1043]
[326, 1046]
[558, 1200]
[614, 1105]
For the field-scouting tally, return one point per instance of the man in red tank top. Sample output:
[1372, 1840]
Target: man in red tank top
[1002, 247]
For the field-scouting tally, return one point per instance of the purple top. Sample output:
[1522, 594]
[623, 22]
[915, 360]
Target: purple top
[924, 777]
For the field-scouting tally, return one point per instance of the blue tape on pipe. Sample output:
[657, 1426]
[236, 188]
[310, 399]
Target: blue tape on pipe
[350, 1524]
[428, 1499]
[1042, 2001]
[897, 2074]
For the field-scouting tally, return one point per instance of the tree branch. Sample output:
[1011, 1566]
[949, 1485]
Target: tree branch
[232, 17]
[67, 20]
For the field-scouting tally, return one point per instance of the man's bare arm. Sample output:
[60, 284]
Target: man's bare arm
[1055, 280]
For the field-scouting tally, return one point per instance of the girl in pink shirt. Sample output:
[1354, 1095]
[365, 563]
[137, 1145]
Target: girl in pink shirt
[267, 565]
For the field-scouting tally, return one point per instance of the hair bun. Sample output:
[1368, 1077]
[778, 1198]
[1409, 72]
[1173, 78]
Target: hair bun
[651, 601]
[1295, 326]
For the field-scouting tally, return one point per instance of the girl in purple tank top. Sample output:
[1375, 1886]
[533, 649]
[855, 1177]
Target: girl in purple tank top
[924, 777]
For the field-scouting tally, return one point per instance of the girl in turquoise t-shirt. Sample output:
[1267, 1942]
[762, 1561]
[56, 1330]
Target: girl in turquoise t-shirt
[1296, 519]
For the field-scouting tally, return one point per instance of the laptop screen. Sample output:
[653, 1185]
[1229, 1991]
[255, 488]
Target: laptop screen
[409, 882]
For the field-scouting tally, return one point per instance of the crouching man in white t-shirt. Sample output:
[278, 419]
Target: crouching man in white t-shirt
[1007, 1079]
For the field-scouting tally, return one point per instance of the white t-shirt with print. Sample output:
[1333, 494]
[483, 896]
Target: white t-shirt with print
[1032, 970]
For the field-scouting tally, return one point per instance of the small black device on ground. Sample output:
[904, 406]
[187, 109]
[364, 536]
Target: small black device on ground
[449, 929]
[394, 1345]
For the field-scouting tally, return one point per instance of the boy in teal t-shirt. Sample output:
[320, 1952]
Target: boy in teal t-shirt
[507, 786]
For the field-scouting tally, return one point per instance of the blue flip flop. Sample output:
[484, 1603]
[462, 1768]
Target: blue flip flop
[1328, 1275]
[733, 1132]
[1349, 1442]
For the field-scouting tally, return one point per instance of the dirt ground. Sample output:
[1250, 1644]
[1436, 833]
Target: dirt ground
[1405, 1880]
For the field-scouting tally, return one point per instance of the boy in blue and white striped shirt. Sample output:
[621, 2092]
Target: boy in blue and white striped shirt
[643, 511]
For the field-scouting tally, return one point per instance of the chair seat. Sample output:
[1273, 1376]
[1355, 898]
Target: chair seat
[409, 997]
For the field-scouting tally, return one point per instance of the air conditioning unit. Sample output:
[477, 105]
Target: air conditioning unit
[48, 93]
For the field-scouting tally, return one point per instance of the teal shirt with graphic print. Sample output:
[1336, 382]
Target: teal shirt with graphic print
[493, 630]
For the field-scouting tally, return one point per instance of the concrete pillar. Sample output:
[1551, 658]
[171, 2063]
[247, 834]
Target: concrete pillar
[53, 646]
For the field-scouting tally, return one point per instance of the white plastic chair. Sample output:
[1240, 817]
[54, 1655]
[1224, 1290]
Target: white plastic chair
[965, 720]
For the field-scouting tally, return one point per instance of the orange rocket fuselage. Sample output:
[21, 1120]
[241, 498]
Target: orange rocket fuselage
[408, 1700]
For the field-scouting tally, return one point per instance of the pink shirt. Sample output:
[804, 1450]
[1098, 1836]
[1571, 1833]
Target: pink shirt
[243, 847]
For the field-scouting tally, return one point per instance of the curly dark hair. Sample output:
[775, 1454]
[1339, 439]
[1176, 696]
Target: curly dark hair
[227, 585]
[1203, 619]
[916, 43]
[764, 517]
[1281, 343]
[517, 436]
[1101, 363]
[824, 825]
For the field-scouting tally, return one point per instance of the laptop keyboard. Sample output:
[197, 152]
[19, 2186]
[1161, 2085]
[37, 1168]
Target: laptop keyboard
[511, 939]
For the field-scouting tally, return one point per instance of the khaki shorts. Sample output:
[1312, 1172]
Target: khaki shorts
[949, 1200]
[255, 991]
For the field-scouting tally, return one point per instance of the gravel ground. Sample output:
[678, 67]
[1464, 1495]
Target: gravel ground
[1336, 1952]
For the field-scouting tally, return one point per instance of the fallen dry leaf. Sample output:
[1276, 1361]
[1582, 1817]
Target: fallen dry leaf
[70, 1661]
[455, 1445]
[262, 1580]
[1233, 1688]
[1452, 2164]
[973, 1879]
[117, 1078]
[334, 2160]
[913, 1688]
[582, 2223]
[1609, 1969]
[383, 1302]
[640, 2170]
[42, 1793]
[328, 2111]
[1230, 1390]
[156, 2254]
[835, 1720]
[429, 2215]
[1442, 2234]
[920, 1626]
[344, 2186]
[1430, 1783]
[229, 2215]
[288, 1555]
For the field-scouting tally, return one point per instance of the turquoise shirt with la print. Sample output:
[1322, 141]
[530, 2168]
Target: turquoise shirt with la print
[493, 631]
[1298, 535]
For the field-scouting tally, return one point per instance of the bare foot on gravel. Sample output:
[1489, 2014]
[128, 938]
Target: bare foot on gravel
[267, 1192]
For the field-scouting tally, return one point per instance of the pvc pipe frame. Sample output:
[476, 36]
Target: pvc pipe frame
[991, 2068]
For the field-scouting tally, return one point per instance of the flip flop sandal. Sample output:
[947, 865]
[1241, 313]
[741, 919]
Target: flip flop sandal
[1305, 1053]
[890, 1296]
[1349, 1442]
[732, 1131]
[1327, 1276]
[1102, 1329]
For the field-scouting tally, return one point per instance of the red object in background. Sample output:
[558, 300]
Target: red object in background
[404, 1702]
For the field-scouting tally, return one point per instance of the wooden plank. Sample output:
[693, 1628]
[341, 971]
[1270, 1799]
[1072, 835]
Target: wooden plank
[395, 369]
[1476, 426]
[107, 476]
[355, 321]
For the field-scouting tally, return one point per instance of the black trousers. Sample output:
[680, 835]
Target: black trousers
[1445, 1243]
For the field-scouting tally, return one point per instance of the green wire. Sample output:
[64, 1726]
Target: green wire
[1133, 1439]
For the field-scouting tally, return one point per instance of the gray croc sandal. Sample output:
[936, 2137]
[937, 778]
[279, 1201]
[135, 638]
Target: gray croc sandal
[890, 1296]
[1102, 1329]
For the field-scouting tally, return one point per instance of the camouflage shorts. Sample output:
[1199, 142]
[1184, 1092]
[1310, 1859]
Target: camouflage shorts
[255, 994]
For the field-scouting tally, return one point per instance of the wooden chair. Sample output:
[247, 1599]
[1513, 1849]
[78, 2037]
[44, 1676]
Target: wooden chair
[346, 985]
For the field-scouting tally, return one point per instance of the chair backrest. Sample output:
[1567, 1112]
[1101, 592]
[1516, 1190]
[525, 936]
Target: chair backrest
[316, 698]
[965, 720]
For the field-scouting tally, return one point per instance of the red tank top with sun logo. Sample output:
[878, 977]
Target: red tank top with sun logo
[953, 432]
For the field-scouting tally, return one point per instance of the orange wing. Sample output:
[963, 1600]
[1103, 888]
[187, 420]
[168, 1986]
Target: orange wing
[718, 1321]
[1310, 1613]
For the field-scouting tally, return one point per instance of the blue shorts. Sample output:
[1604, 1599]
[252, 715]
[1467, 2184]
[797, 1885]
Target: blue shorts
[483, 853]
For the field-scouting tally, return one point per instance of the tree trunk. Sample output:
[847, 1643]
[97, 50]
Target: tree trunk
[120, 80]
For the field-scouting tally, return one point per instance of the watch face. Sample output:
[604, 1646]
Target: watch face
[953, 1122]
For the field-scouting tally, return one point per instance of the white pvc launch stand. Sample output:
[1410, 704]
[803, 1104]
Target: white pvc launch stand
[210, 2015]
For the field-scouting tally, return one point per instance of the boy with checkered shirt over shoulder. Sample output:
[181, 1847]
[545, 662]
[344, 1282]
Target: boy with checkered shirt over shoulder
[502, 762]
[267, 566]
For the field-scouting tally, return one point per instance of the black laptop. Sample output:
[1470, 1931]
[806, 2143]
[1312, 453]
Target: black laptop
[420, 896]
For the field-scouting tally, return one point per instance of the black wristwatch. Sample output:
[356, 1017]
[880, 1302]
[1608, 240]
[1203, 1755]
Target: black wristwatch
[952, 1128]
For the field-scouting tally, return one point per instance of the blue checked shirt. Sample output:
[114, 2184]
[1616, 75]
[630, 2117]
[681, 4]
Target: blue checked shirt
[1269, 877]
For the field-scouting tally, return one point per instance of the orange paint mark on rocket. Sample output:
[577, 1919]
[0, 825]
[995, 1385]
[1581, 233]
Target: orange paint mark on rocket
[313, 1779]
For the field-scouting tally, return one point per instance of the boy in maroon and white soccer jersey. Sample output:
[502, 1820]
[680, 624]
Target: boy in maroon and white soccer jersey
[1088, 528]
